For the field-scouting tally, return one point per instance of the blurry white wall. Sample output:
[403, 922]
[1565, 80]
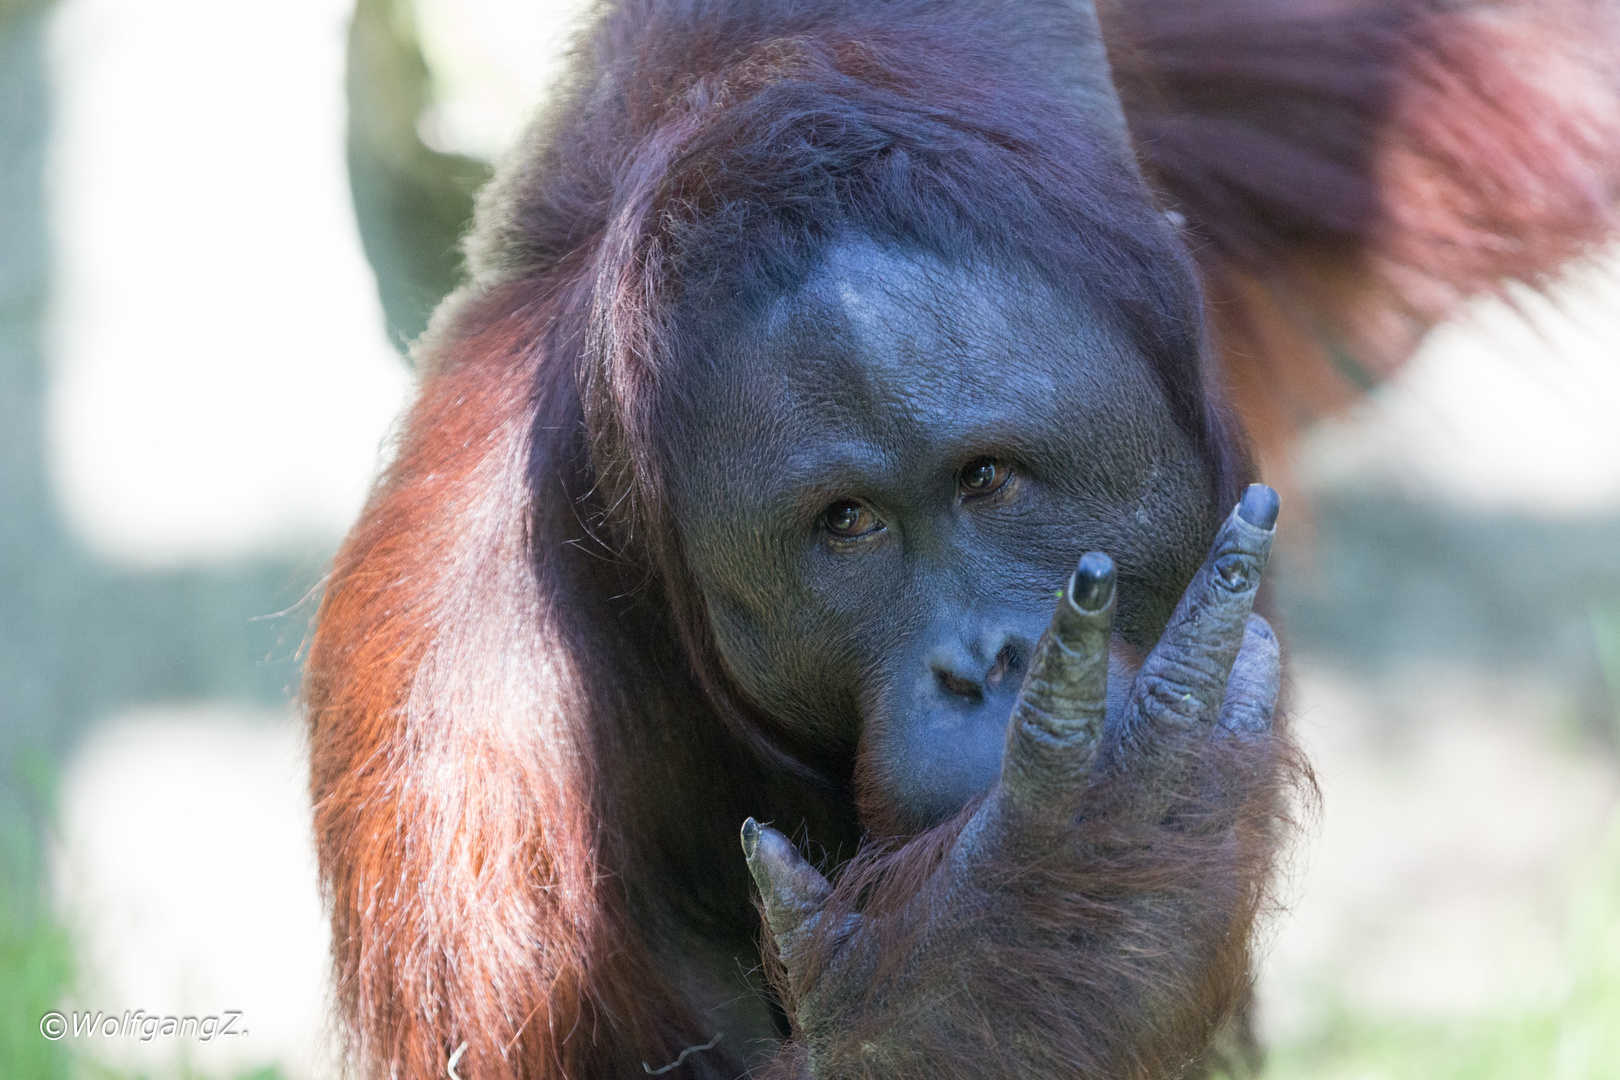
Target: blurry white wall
[1511, 407]
[187, 880]
[220, 378]
[490, 61]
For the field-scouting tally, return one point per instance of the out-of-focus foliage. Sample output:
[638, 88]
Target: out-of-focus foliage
[1576, 1037]
[413, 203]
[35, 958]
[1606, 635]
[11, 9]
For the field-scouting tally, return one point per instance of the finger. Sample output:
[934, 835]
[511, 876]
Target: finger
[1251, 692]
[1183, 681]
[791, 889]
[1057, 721]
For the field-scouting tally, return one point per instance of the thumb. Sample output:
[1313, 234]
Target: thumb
[792, 890]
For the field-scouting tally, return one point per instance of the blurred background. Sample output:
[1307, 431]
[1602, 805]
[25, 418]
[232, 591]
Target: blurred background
[218, 224]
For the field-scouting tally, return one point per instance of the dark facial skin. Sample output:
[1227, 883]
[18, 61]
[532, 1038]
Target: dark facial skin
[882, 482]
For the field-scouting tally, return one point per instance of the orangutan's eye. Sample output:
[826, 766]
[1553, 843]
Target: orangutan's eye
[982, 476]
[848, 519]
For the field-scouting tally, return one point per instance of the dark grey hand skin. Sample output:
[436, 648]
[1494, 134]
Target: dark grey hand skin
[1213, 674]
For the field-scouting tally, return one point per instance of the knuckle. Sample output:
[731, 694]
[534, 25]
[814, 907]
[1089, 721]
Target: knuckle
[1236, 572]
[1165, 699]
[1061, 665]
[1248, 717]
[1033, 718]
[1065, 686]
[1046, 727]
[1206, 636]
[1197, 666]
[1251, 696]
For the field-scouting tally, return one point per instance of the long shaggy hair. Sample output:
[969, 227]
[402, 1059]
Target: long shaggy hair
[1351, 171]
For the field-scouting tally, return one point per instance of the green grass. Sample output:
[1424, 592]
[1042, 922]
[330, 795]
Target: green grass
[35, 969]
[1606, 637]
[36, 960]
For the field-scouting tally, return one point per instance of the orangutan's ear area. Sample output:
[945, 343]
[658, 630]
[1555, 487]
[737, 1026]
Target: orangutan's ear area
[837, 441]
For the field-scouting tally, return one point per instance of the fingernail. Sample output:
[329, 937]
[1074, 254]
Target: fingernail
[750, 838]
[1259, 506]
[1092, 585]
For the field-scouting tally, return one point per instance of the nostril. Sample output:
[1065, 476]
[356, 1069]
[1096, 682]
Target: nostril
[957, 686]
[1010, 664]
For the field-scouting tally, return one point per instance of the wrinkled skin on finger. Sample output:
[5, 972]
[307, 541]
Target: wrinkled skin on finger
[1097, 870]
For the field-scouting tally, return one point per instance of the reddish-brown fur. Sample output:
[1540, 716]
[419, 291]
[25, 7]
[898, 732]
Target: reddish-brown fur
[1146, 941]
[1358, 168]
[506, 627]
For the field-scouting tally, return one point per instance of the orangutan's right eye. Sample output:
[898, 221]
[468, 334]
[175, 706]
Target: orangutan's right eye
[848, 519]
